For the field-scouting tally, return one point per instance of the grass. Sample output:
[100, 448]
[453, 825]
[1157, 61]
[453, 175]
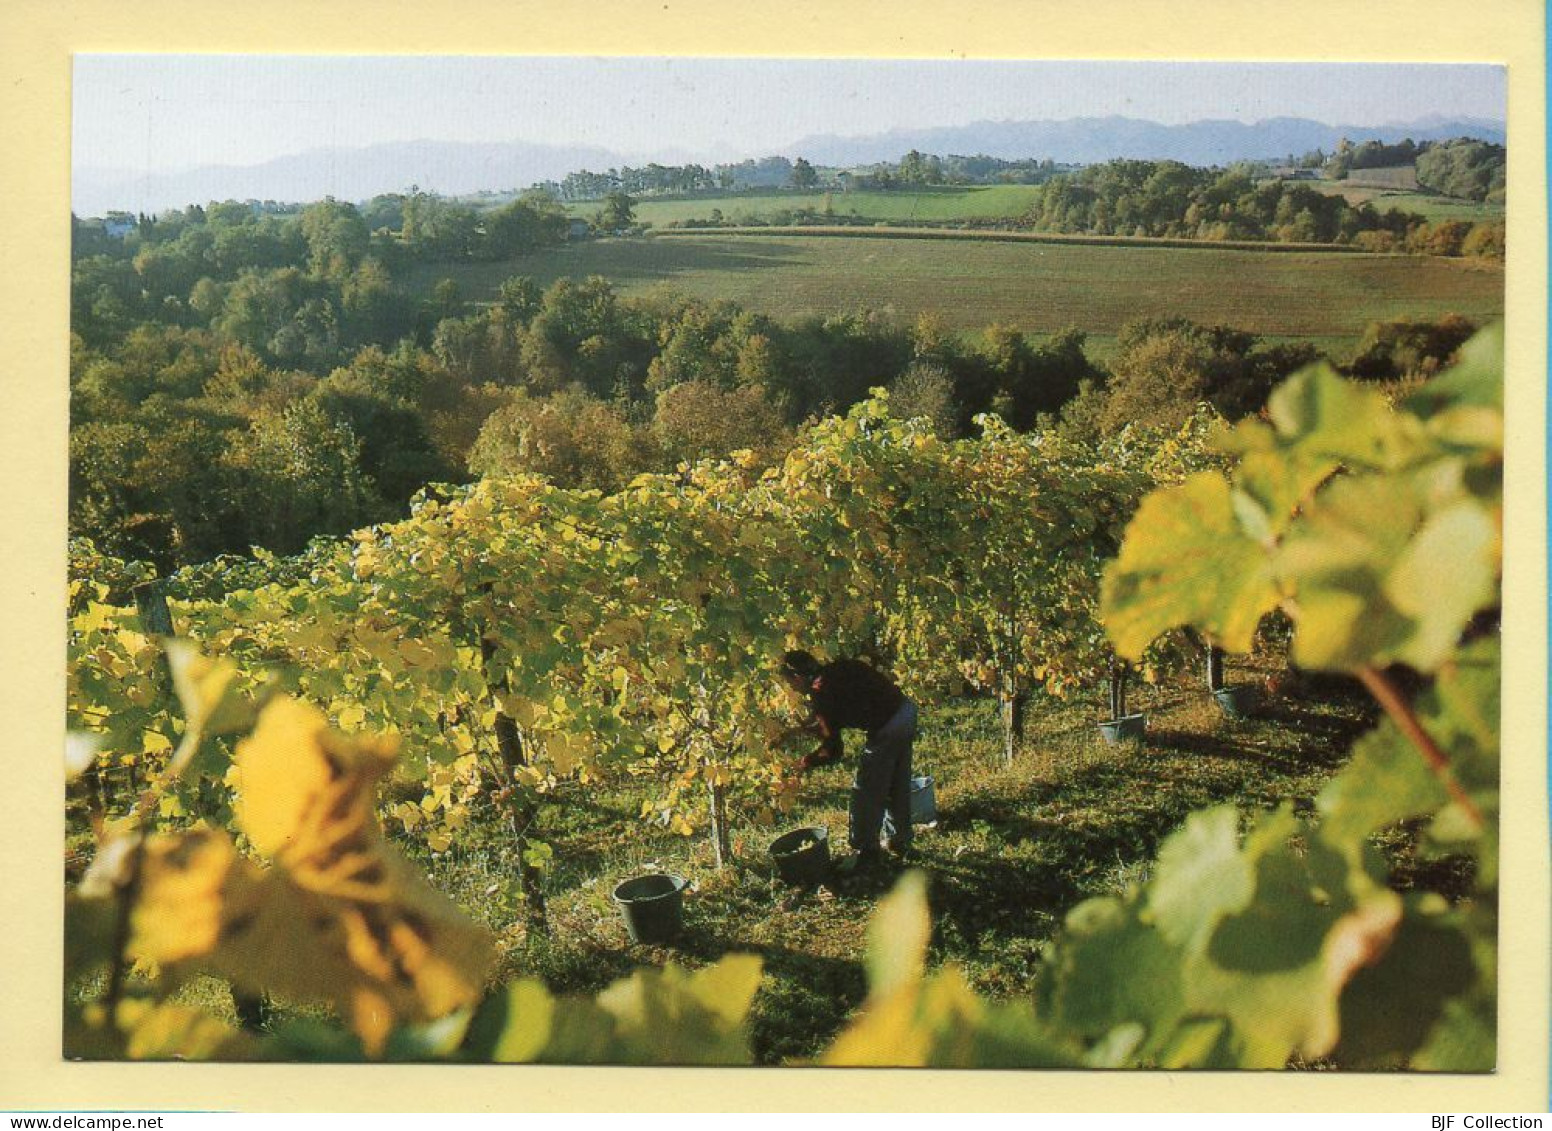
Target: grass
[1038, 288]
[1014, 849]
[978, 202]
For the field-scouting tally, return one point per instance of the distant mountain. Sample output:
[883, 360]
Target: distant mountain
[455, 168]
[1087, 140]
[446, 167]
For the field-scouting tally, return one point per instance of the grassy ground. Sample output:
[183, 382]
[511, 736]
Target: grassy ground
[1013, 850]
[978, 202]
[1327, 299]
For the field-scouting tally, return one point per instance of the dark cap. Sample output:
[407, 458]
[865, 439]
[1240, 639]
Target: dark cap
[801, 664]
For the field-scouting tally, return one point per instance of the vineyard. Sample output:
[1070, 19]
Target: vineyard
[273, 770]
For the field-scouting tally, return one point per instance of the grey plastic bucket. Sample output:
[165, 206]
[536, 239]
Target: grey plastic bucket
[924, 801]
[1128, 728]
[924, 805]
[802, 856]
[652, 906]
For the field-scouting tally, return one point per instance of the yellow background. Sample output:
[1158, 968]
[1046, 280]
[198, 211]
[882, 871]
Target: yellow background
[37, 38]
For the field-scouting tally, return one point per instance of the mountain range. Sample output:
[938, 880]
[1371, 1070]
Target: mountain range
[1087, 140]
[459, 168]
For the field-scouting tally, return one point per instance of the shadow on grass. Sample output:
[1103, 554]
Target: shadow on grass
[804, 997]
[660, 260]
[1037, 850]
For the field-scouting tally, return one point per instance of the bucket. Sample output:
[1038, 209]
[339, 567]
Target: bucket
[924, 805]
[1235, 701]
[924, 801]
[802, 856]
[652, 906]
[1128, 728]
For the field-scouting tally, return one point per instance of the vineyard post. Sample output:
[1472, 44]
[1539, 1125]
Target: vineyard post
[1214, 668]
[99, 786]
[521, 810]
[1118, 677]
[1008, 700]
[721, 842]
[1011, 724]
[151, 604]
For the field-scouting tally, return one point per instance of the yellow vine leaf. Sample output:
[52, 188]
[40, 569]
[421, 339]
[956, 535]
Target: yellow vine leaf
[340, 916]
[897, 937]
[164, 1031]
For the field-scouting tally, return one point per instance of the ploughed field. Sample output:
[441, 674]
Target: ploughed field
[971, 202]
[1038, 288]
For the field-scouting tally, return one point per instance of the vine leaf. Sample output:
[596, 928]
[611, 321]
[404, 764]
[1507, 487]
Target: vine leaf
[142, 1029]
[1321, 417]
[1464, 404]
[1384, 783]
[672, 1016]
[667, 1016]
[897, 936]
[1115, 970]
[213, 705]
[339, 917]
[1381, 580]
[911, 1019]
[1200, 875]
[1277, 969]
[1389, 1008]
[1465, 1039]
[1187, 559]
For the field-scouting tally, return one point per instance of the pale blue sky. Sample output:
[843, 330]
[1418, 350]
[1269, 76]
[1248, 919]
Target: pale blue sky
[163, 113]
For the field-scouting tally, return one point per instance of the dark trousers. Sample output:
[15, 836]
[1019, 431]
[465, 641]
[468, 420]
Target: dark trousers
[883, 781]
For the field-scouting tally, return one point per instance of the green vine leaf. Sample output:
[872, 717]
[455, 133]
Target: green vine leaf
[1379, 579]
[1112, 970]
[1199, 877]
[1389, 1009]
[1187, 559]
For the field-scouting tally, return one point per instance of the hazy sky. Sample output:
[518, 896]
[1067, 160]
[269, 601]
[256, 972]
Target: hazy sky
[164, 113]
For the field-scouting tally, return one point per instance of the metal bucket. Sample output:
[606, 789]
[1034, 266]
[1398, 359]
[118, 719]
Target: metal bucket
[1128, 728]
[924, 805]
[1235, 701]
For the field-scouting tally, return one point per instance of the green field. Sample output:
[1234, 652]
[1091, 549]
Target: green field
[1039, 288]
[979, 202]
[1431, 206]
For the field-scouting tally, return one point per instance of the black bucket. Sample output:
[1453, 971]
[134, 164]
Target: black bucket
[652, 906]
[1128, 728]
[1237, 701]
[803, 856]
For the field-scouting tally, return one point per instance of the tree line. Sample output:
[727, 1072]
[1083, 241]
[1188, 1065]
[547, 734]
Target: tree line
[186, 444]
[1462, 167]
[654, 179]
[1172, 200]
